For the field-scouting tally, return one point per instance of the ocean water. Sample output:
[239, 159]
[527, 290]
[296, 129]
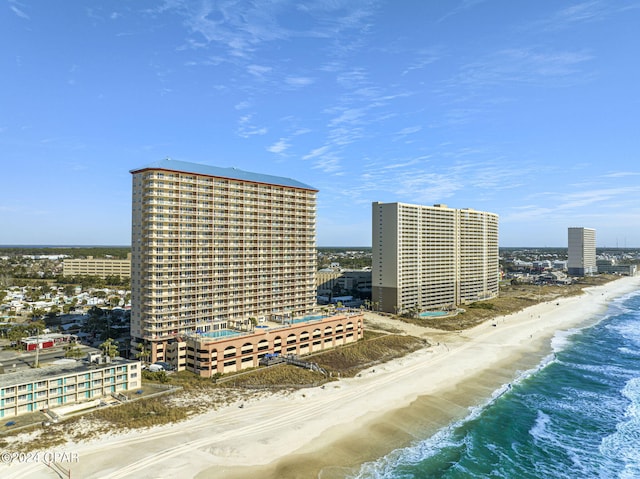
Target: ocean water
[576, 415]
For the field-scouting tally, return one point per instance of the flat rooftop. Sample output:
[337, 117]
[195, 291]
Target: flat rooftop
[51, 371]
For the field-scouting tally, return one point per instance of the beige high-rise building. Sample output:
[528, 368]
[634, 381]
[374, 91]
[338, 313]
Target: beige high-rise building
[102, 267]
[432, 257]
[581, 251]
[213, 247]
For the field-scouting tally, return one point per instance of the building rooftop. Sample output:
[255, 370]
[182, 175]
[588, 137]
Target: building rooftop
[230, 173]
[53, 371]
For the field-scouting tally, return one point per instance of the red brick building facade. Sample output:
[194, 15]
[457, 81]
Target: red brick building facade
[207, 356]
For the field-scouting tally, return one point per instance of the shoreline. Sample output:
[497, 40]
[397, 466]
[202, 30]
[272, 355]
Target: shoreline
[335, 429]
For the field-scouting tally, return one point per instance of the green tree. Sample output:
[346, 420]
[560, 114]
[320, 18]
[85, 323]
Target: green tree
[44, 290]
[21, 331]
[36, 313]
[143, 353]
[73, 351]
[100, 294]
[254, 322]
[17, 333]
[109, 348]
[159, 376]
[51, 319]
[97, 323]
[37, 326]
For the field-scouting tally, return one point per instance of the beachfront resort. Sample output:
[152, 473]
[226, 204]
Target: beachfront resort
[223, 268]
[432, 257]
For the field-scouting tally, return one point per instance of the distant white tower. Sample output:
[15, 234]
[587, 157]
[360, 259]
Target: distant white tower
[582, 252]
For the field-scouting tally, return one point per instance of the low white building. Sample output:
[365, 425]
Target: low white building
[31, 390]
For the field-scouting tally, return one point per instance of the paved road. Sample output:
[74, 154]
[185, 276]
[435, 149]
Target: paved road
[23, 359]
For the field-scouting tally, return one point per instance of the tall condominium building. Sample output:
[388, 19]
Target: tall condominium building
[432, 257]
[214, 247]
[581, 251]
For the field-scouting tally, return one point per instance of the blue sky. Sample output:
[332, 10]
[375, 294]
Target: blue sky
[526, 109]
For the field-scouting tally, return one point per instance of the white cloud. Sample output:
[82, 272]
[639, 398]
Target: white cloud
[409, 130]
[243, 29]
[424, 58]
[461, 7]
[328, 165]
[353, 79]
[581, 199]
[621, 174]
[19, 12]
[524, 66]
[252, 131]
[279, 147]
[317, 152]
[246, 129]
[258, 70]
[298, 81]
[584, 12]
[347, 116]
[394, 166]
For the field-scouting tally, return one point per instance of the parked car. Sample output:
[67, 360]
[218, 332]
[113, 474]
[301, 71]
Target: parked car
[165, 366]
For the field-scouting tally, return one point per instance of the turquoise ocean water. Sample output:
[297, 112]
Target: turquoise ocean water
[577, 415]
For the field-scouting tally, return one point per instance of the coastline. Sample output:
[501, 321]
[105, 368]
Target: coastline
[335, 429]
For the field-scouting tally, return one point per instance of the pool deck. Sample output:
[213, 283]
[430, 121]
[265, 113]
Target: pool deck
[264, 327]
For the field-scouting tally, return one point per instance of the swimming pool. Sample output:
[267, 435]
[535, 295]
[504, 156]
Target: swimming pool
[309, 318]
[222, 333]
[433, 314]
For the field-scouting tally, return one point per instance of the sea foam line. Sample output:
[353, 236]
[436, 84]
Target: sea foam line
[386, 466]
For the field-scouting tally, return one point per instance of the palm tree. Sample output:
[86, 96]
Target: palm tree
[254, 323]
[109, 348]
[143, 352]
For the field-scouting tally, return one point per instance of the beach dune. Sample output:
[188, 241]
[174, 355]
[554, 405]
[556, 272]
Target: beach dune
[335, 429]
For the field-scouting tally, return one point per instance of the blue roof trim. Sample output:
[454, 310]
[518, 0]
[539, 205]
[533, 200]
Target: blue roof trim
[230, 173]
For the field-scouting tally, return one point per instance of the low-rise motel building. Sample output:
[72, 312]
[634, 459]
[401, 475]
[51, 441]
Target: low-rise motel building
[65, 387]
[228, 350]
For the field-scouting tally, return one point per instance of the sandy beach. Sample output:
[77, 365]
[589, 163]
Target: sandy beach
[336, 428]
